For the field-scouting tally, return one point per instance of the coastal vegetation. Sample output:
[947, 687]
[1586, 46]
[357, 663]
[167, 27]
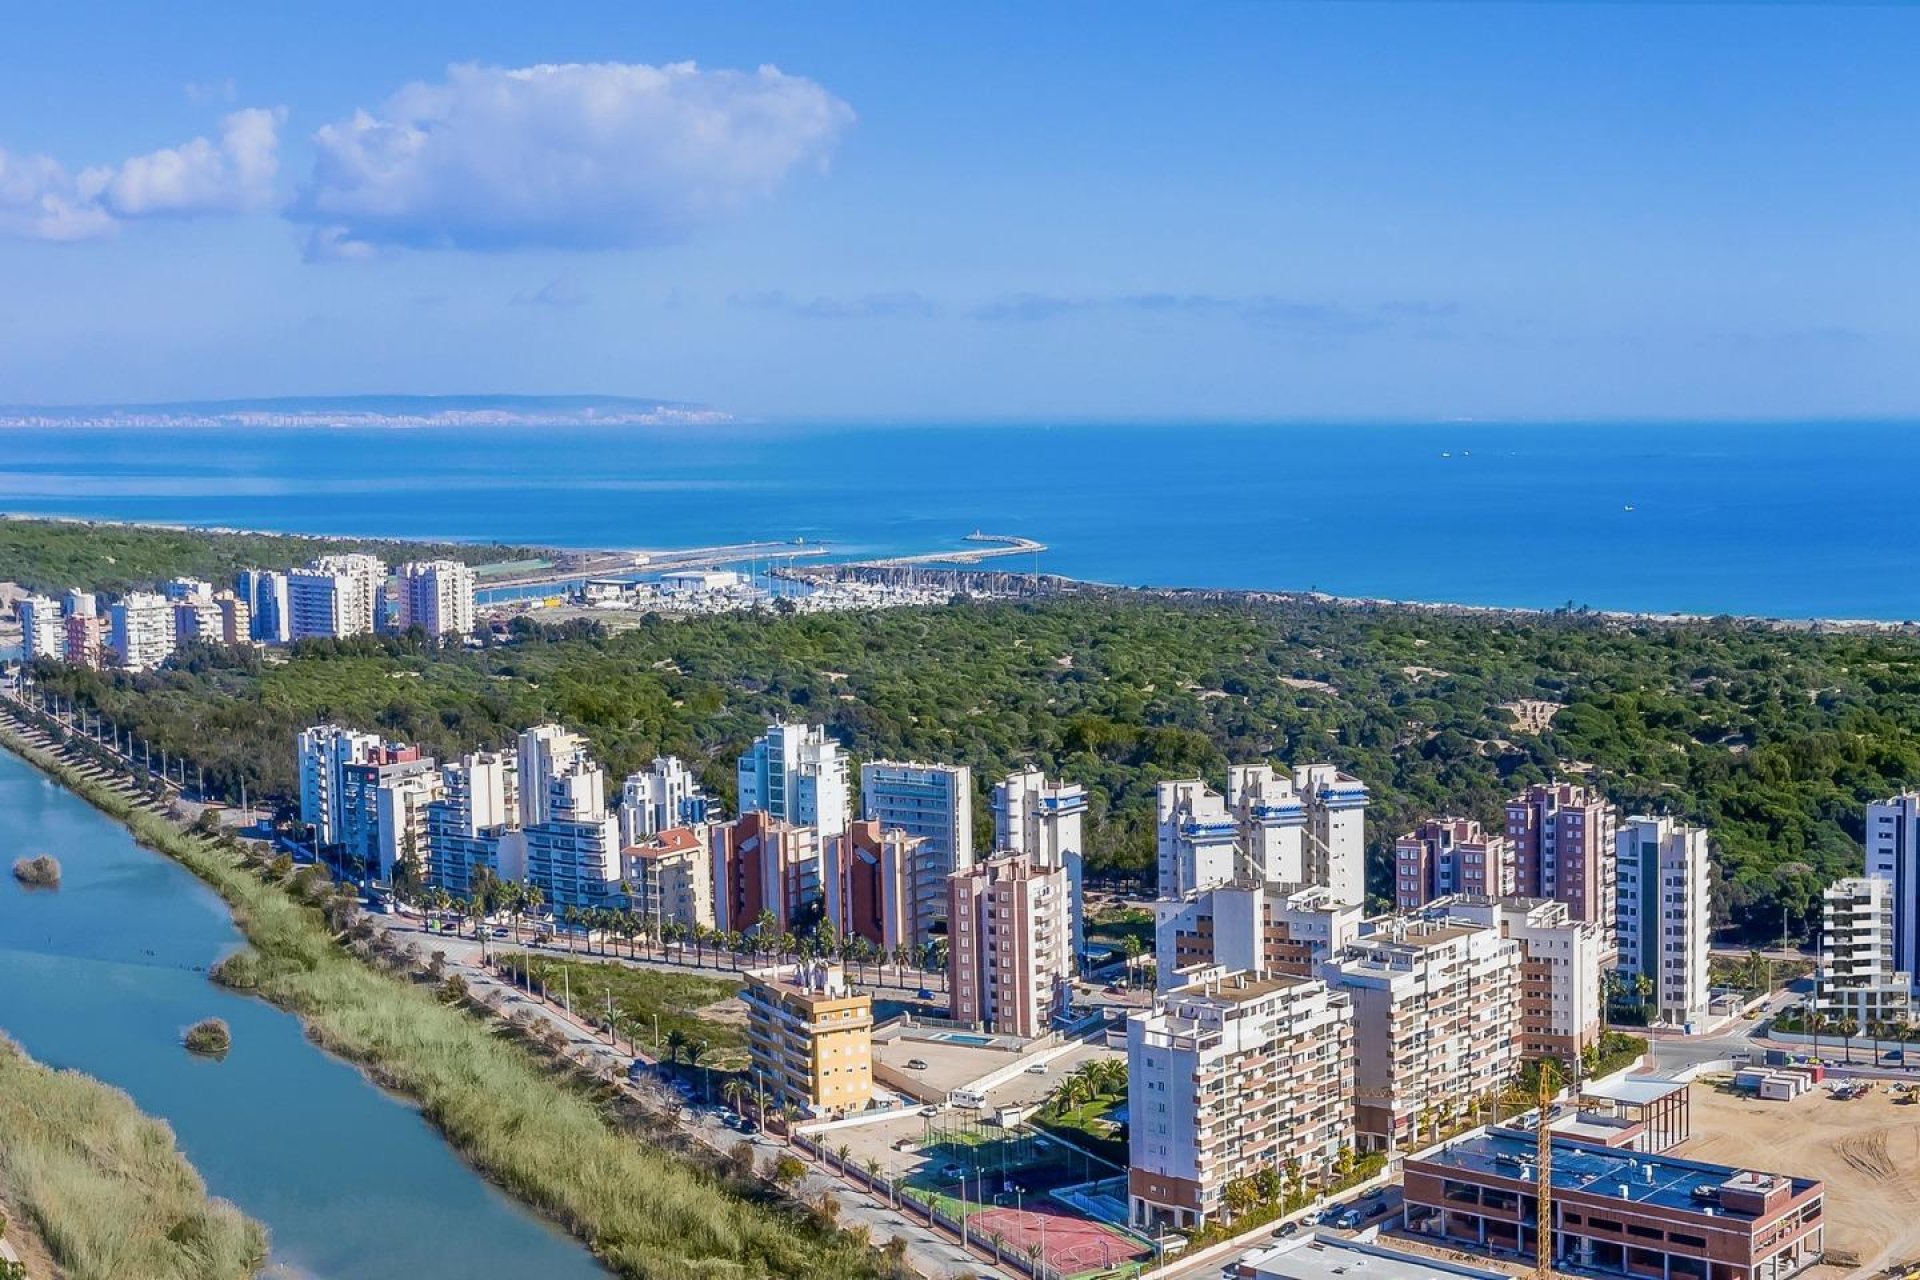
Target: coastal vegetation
[553, 1139]
[697, 1019]
[1773, 738]
[209, 1037]
[105, 1188]
[41, 871]
[54, 555]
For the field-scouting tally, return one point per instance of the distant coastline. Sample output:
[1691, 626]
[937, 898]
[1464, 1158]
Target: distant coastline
[369, 413]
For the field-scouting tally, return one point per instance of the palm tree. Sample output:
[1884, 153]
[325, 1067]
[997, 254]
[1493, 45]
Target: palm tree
[733, 1092]
[676, 1044]
[789, 1114]
[532, 898]
[572, 916]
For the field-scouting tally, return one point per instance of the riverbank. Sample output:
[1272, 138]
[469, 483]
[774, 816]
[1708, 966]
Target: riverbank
[104, 1189]
[547, 1141]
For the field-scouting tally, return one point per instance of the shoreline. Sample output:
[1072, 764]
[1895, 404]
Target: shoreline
[1071, 585]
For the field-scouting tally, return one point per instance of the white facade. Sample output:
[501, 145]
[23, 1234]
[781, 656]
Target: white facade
[402, 810]
[1229, 1076]
[186, 589]
[796, 773]
[1663, 921]
[1893, 855]
[666, 796]
[547, 752]
[1336, 830]
[43, 628]
[474, 824]
[1309, 828]
[933, 804]
[1044, 821]
[323, 754]
[141, 630]
[368, 576]
[1251, 926]
[437, 597]
[1561, 996]
[669, 877]
[1857, 979]
[1198, 839]
[572, 841]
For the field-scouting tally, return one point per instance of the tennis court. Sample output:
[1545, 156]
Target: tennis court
[1069, 1244]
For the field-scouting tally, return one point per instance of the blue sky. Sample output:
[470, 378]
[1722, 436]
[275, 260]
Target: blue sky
[1020, 211]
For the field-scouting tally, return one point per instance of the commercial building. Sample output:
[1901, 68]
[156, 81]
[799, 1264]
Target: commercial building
[810, 1038]
[42, 626]
[140, 630]
[933, 805]
[669, 877]
[1563, 848]
[474, 825]
[1627, 1213]
[1044, 820]
[1258, 927]
[1445, 856]
[437, 597]
[322, 755]
[1562, 1004]
[1893, 856]
[665, 796]
[1314, 1255]
[1436, 1018]
[1857, 980]
[1663, 917]
[764, 866]
[1008, 948]
[796, 773]
[871, 878]
[1229, 1076]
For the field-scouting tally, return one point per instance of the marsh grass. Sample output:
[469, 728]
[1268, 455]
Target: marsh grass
[106, 1188]
[209, 1037]
[549, 1139]
[41, 872]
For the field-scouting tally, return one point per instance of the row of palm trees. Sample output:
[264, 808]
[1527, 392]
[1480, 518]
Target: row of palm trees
[653, 937]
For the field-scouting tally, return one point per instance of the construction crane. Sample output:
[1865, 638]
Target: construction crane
[1543, 1185]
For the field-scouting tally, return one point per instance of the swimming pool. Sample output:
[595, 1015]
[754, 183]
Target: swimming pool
[964, 1037]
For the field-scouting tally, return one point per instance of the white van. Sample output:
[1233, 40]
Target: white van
[967, 1098]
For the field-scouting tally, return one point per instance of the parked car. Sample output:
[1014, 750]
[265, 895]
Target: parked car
[1037, 1069]
[1348, 1219]
[916, 1064]
[1374, 1193]
[1286, 1229]
[929, 1112]
[924, 993]
[1379, 1207]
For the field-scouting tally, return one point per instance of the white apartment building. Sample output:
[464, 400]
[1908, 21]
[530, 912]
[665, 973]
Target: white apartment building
[437, 597]
[1436, 1018]
[1227, 1076]
[1561, 960]
[43, 628]
[181, 590]
[665, 796]
[1008, 945]
[1663, 914]
[140, 630]
[382, 810]
[796, 773]
[265, 594]
[669, 877]
[933, 805]
[572, 840]
[323, 754]
[1252, 926]
[401, 810]
[475, 822]
[1307, 828]
[1043, 820]
[368, 574]
[1857, 979]
[321, 605]
[1893, 855]
[543, 753]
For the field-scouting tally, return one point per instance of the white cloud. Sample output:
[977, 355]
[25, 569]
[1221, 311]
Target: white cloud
[571, 156]
[41, 200]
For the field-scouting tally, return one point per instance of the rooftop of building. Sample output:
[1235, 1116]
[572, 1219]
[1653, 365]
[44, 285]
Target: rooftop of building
[673, 840]
[1313, 1256]
[1632, 1089]
[1635, 1177]
[1238, 988]
[813, 982]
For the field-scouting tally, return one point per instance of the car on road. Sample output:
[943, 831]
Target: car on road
[1379, 1207]
[916, 1064]
[1286, 1229]
[1374, 1193]
[1037, 1069]
[930, 1112]
[924, 993]
[1348, 1219]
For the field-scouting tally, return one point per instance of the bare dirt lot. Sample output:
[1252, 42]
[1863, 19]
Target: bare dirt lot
[1867, 1151]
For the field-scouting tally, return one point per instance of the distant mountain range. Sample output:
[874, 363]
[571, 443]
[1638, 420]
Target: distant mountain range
[371, 411]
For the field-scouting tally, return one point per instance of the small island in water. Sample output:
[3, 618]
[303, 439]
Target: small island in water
[39, 872]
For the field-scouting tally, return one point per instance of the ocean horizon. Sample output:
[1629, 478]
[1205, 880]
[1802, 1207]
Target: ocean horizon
[1769, 519]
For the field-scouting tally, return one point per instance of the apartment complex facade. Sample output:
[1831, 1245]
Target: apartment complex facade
[1563, 838]
[1663, 917]
[669, 877]
[1446, 856]
[572, 839]
[1562, 1001]
[1857, 979]
[665, 796]
[1045, 820]
[1228, 1076]
[43, 630]
[140, 630]
[474, 824]
[322, 755]
[1893, 856]
[796, 773]
[871, 877]
[1253, 926]
[933, 805]
[1436, 1017]
[436, 596]
[810, 1038]
[1008, 946]
[762, 864]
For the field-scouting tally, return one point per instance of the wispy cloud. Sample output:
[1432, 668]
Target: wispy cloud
[904, 303]
[575, 156]
[562, 291]
[1261, 309]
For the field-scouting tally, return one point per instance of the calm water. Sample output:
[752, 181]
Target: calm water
[104, 975]
[1775, 519]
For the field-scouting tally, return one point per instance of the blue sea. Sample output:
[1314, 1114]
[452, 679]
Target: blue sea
[1785, 520]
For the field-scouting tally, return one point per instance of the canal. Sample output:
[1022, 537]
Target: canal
[104, 974]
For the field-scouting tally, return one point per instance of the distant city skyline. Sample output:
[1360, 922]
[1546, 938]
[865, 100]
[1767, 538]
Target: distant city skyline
[872, 212]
